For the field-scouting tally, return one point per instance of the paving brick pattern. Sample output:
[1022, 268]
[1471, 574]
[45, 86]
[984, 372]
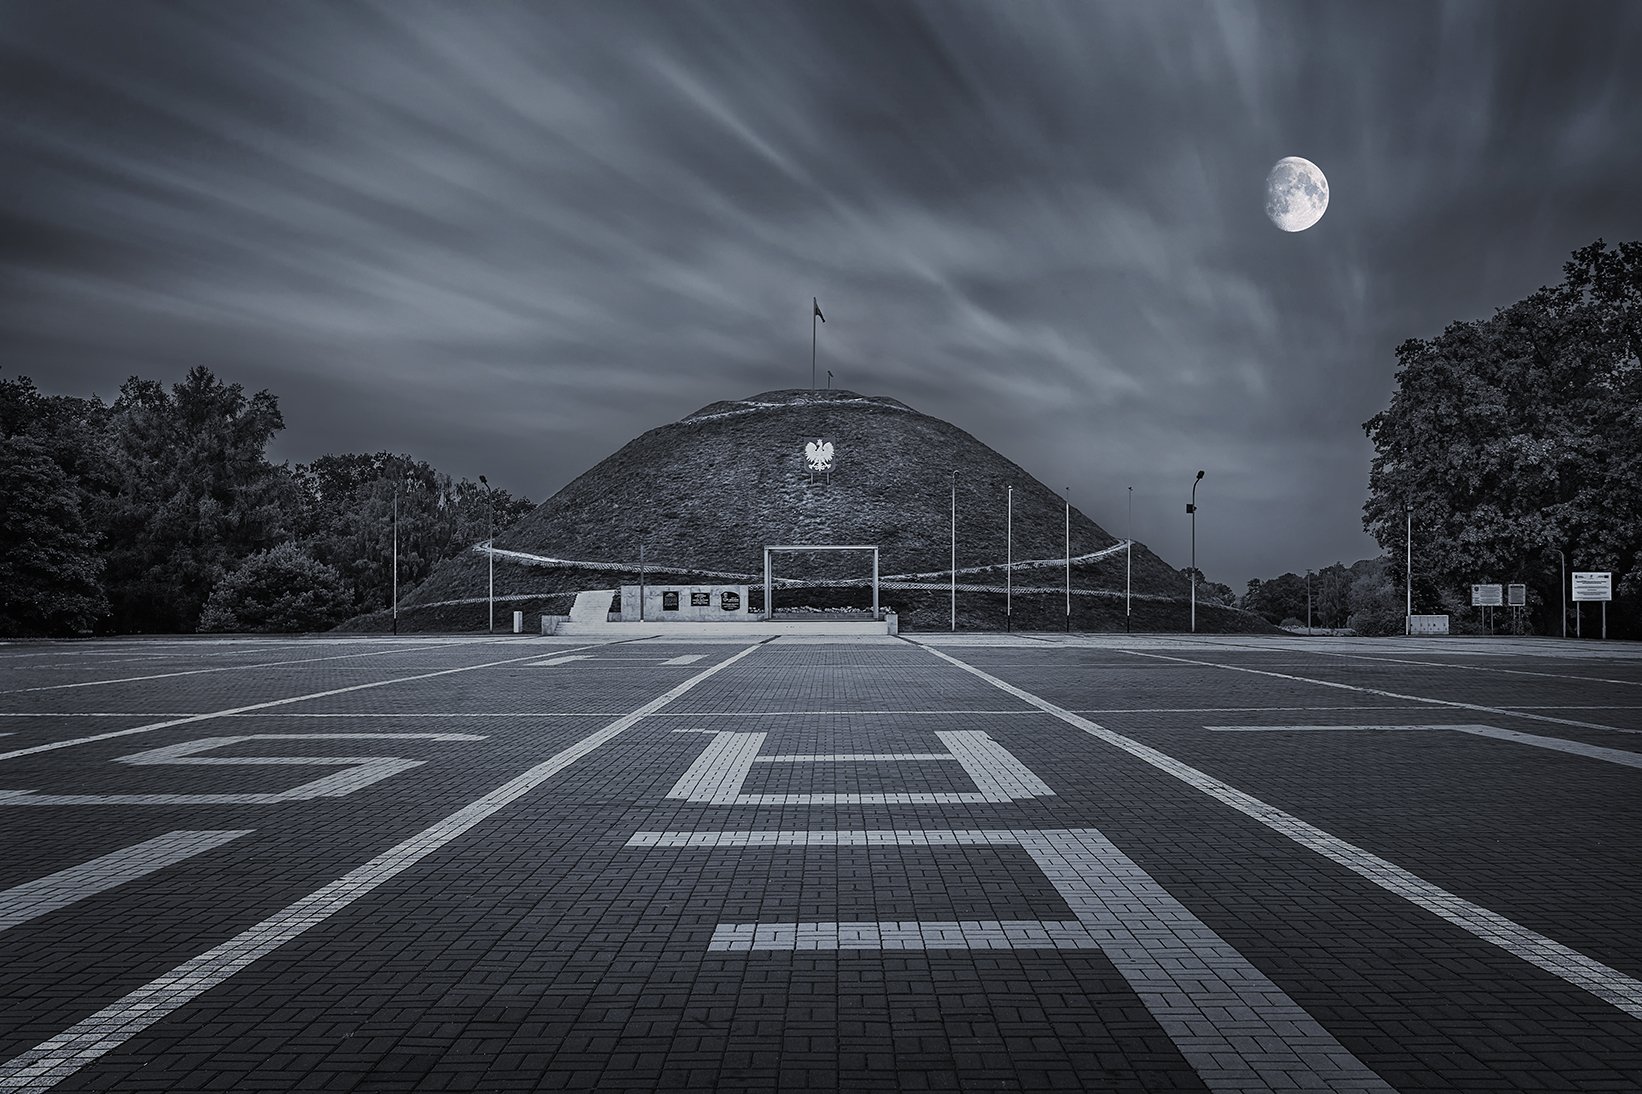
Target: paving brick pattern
[503, 889]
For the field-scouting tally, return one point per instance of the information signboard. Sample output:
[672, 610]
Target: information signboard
[1516, 596]
[1593, 585]
[1486, 596]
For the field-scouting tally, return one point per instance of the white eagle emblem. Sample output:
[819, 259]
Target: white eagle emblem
[818, 454]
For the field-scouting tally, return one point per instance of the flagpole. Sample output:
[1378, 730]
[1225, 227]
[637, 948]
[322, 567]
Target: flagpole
[815, 310]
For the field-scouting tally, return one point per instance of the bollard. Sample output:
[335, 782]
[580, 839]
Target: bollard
[518, 622]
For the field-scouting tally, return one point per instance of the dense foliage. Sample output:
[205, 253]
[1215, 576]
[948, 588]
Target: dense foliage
[135, 517]
[1519, 436]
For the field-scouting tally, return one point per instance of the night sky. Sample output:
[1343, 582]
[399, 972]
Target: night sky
[508, 238]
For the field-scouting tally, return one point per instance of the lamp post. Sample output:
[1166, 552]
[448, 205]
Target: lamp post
[954, 590]
[1308, 603]
[490, 545]
[1561, 555]
[1408, 578]
[1191, 509]
[1068, 560]
[1009, 560]
[396, 557]
[1129, 560]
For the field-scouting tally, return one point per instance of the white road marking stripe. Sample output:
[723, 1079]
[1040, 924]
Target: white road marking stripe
[53, 1060]
[1607, 984]
[1237, 1029]
[190, 718]
[910, 934]
[1452, 703]
[687, 659]
[33, 899]
[557, 660]
[227, 668]
[361, 771]
[718, 775]
[1555, 744]
[1312, 729]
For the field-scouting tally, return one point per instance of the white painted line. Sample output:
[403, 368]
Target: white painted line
[1237, 1029]
[1607, 984]
[362, 771]
[227, 668]
[55, 1059]
[551, 661]
[687, 659]
[911, 934]
[1451, 703]
[1312, 729]
[720, 772]
[1557, 744]
[843, 757]
[33, 899]
[190, 718]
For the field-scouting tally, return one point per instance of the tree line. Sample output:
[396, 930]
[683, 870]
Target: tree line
[1512, 450]
[161, 512]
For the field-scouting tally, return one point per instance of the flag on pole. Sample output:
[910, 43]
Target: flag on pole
[818, 314]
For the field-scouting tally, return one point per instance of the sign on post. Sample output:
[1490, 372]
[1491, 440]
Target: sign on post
[1593, 586]
[1486, 596]
[1516, 596]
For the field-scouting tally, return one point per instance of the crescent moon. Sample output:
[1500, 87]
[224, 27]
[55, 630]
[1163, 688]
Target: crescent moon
[1296, 194]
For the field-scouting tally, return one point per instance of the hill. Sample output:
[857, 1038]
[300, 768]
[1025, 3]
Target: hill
[702, 496]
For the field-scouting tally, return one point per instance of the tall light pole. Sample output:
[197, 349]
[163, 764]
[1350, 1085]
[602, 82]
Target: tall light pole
[1408, 577]
[1564, 559]
[396, 557]
[1068, 560]
[1129, 561]
[1308, 602]
[1191, 509]
[490, 545]
[1009, 561]
[954, 620]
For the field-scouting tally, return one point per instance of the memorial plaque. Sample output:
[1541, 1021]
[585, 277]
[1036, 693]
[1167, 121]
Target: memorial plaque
[701, 600]
[669, 601]
[730, 602]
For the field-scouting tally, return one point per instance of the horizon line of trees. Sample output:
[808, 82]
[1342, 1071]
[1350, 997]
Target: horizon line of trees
[161, 512]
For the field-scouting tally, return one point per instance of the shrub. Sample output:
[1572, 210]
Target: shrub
[284, 589]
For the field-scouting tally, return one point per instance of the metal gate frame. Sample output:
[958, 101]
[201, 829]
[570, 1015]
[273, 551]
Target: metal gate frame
[793, 548]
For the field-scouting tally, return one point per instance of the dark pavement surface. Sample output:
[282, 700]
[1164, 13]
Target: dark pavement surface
[846, 865]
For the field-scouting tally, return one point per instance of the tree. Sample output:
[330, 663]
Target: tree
[283, 589]
[49, 564]
[350, 501]
[196, 495]
[1515, 436]
[53, 464]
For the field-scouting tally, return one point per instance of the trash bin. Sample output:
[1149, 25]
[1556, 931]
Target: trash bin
[518, 622]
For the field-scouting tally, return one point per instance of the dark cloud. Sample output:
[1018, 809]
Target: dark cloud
[510, 237]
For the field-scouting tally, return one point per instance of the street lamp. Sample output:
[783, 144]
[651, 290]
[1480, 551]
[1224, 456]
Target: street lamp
[1068, 560]
[1009, 560]
[1564, 559]
[1129, 560]
[1408, 581]
[954, 619]
[396, 558]
[1308, 603]
[490, 545]
[1191, 508]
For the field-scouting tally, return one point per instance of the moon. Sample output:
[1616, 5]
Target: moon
[1296, 194]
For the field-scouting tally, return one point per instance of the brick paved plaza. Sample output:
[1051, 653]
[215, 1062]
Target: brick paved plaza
[933, 863]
